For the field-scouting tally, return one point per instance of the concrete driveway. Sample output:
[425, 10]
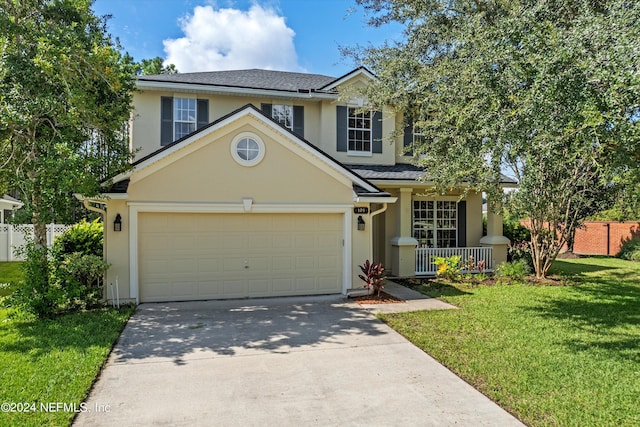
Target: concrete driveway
[284, 361]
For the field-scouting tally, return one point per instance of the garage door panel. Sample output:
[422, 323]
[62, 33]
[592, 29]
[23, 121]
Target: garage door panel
[203, 256]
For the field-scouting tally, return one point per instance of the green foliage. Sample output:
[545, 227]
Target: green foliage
[84, 237]
[66, 279]
[35, 295]
[54, 360]
[448, 268]
[630, 250]
[516, 270]
[520, 345]
[372, 276]
[515, 232]
[155, 66]
[546, 90]
[79, 277]
[66, 97]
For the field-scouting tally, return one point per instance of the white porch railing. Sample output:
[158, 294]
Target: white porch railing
[12, 236]
[426, 267]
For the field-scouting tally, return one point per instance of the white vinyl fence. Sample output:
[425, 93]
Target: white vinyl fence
[12, 236]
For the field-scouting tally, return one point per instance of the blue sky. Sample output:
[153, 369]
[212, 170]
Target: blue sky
[202, 35]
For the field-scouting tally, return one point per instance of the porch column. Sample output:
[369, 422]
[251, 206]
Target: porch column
[403, 245]
[494, 237]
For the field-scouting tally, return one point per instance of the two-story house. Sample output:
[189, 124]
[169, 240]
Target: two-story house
[256, 183]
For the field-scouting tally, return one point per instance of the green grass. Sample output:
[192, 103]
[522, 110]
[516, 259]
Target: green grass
[550, 355]
[54, 360]
[9, 273]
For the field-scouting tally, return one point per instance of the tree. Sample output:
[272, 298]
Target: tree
[155, 66]
[65, 93]
[547, 90]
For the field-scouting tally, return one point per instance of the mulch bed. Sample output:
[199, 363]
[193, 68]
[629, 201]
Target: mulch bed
[384, 298]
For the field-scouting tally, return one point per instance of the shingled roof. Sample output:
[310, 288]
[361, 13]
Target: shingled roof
[401, 172]
[250, 79]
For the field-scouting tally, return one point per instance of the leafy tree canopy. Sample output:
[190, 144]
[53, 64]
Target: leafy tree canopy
[65, 96]
[546, 90]
[155, 66]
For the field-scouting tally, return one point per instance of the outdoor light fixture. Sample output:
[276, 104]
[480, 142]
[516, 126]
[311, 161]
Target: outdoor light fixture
[117, 223]
[360, 223]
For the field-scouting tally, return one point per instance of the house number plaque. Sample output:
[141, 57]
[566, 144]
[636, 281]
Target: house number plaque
[360, 210]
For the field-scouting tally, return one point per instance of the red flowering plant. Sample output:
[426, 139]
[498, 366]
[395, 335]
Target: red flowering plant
[373, 276]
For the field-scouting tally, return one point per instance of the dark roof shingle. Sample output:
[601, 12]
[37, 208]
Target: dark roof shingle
[250, 79]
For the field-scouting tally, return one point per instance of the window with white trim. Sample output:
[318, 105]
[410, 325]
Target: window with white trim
[247, 149]
[359, 131]
[435, 223]
[283, 114]
[184, 117]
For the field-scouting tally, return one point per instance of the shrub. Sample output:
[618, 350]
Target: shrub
[84, 237]
[516, 270]
[630, 250]
[373, 276]
[35, 294]
[79, 278]
[448, 268]
[69, 280]
[514, 231]
[520, 252]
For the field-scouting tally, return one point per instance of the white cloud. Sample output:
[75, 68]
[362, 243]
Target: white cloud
[228, 39]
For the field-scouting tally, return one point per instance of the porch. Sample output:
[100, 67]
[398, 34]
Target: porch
[479, 258]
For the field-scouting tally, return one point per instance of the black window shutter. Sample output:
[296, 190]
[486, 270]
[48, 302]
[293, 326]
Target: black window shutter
[462, 224]
[267, 109]
[166, 120]
[298, 120]
[203, 113]
[376, 132]
[408, 140]
[342, 138]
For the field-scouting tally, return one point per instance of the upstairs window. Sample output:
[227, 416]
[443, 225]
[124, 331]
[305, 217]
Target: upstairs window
[184, 117]
[180, 117]
[359, 131]
[289, 116]
[283, 114]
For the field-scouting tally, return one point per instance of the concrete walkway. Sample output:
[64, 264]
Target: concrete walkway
[413, 301]
[285, 362]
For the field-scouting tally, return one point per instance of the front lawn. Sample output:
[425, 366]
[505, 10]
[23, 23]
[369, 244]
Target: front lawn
[550, 355]
[53, 362]
[10, 275]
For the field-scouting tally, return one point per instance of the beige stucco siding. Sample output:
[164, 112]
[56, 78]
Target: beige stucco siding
[210, 174]
[145, 127]
[117, 245]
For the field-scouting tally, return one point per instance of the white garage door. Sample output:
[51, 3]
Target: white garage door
[185, 257]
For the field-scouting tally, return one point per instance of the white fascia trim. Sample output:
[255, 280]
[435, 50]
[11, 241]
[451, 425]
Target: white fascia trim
[365, 199]
[192, 207]
[138, 207]
[347, 77]
[102, 198]
[202, 88]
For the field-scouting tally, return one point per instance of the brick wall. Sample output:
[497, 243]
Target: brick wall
[602, 237]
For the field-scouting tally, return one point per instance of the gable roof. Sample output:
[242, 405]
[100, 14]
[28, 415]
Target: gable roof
[360, 71]
[360, 184]
[248, 79]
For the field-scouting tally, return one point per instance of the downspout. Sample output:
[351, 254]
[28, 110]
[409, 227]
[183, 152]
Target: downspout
[379, 211]
[103, 213]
